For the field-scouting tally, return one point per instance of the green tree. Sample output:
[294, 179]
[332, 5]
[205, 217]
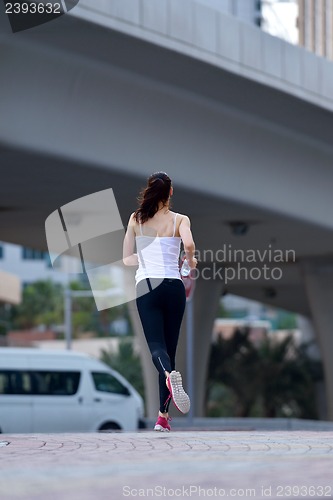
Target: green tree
[233, 362]
[126, 362]
[42, 303]
[86, 317]
[288, 379]
[285, 321]
[275, 379]
[5, 318]
[84, 312]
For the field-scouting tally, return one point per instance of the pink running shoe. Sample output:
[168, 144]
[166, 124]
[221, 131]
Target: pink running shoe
[179, 396]
[162, 424]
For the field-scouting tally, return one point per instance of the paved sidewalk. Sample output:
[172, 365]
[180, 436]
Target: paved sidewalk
[147, 464]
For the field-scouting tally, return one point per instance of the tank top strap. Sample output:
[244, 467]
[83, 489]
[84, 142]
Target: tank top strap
[174, 225]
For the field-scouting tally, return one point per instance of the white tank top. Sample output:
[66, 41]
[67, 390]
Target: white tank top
[158, 255]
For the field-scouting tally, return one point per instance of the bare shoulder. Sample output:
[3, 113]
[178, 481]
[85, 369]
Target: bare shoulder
[182, 221]
[183, 218]
[131, 226]
[132, 220]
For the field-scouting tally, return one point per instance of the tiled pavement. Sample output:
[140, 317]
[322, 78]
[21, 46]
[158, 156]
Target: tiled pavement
[193, 464]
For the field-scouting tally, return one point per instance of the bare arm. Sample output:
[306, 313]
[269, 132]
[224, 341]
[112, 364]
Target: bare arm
[188, 242]
[130, 258]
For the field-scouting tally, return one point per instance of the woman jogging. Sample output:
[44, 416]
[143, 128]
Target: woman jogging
[160, 292]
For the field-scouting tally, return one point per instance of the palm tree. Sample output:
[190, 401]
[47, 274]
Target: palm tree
[234, 363]
[277, 376]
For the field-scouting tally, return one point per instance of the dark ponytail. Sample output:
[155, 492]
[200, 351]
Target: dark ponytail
[157, 190]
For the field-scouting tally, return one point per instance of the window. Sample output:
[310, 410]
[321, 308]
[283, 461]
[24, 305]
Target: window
[47, 383]
[47, 260]
[106, 382]
[15, 382]
[56, 383]
[32, 254]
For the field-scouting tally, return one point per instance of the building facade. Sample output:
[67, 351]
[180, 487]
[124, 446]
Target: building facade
[31, 265]
[246, 10]
[315, 23]
[276, 17]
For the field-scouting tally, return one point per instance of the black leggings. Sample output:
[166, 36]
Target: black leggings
[161, 309]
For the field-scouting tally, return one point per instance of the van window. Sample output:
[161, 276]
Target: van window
[15, 382]
[106, 382]
[41, 382]
[55, 383]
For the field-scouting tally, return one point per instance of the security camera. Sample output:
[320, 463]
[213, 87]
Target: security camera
[239, 228]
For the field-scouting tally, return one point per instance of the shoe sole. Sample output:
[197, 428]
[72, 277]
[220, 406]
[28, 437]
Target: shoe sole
[158, 427]
[179, 396]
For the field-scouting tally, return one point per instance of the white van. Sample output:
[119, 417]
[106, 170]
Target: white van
[64, 391]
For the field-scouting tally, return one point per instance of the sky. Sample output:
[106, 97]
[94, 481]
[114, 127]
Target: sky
[280, 19]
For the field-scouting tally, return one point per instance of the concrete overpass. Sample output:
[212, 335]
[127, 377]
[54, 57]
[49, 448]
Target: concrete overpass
[240, 120]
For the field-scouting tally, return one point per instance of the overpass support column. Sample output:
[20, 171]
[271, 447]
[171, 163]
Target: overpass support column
[206, 300]
[319, 286]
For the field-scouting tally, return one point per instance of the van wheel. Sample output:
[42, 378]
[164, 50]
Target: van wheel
[109, 427]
